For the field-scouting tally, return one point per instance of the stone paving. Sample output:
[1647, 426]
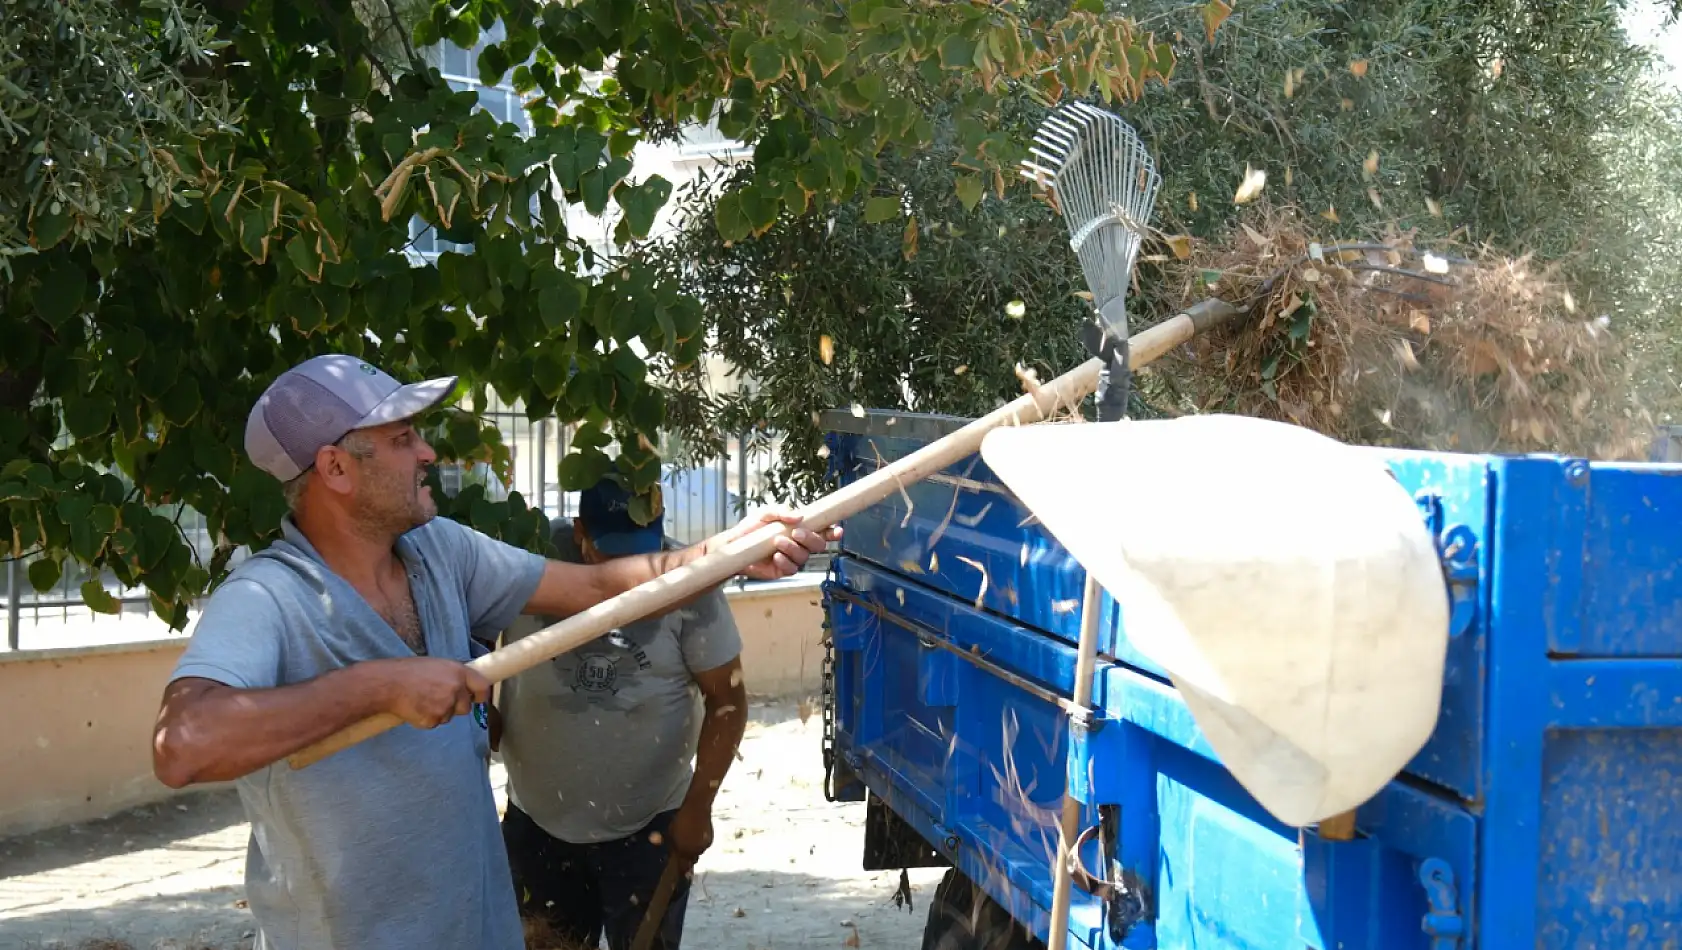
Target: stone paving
[783, 871]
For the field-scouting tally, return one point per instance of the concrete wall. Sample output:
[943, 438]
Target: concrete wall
[64, 762]
[782, 637]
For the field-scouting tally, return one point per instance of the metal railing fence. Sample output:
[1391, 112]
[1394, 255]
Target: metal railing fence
[700, 500]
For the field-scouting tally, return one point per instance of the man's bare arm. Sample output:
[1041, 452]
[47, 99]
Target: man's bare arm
[691, 829]
[725, 697]
[568, 588]
[210, 732]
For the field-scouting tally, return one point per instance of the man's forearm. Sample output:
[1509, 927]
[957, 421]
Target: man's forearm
[615, 577]
[209, 732]
[721, 734]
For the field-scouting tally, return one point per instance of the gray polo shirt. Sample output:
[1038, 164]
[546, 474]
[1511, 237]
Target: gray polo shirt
[392, 844]
[601, 739]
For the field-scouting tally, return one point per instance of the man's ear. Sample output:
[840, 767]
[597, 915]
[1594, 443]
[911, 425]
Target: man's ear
[331, 464]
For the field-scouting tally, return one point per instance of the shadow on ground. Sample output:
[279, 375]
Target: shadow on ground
[728, 910]
[167, 823]
[784, 871]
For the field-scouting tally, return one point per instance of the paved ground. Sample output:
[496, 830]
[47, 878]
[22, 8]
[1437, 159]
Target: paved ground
[782, 873]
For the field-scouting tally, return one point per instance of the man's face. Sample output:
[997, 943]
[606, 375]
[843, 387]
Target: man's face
[388, 493]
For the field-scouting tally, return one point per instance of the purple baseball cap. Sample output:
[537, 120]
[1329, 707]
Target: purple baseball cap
[320, 400]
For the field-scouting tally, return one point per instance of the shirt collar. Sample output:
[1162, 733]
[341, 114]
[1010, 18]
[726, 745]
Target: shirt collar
[407, 551]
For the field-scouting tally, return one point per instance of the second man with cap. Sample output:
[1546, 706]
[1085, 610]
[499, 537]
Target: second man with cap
[615, 750]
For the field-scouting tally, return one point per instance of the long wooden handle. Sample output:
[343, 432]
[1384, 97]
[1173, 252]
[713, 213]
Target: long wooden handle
[657, 904]
[651, 597]
[1068, 828]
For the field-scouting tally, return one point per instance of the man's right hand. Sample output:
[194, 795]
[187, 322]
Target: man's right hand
[211, 732]
[426, 692]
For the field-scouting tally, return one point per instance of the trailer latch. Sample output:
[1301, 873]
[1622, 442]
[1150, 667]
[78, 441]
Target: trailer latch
[1442, 922]
[1125, 895]
[1457, 547]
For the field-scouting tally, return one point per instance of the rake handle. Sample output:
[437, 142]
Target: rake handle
[676, 865]
[651, 597]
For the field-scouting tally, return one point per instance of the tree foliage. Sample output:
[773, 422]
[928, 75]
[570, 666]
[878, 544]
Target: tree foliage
[925, 295]
[1527, 127]
[90, 91]
[131, 363]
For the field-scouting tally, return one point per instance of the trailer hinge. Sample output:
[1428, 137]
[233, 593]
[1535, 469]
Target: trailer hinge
[1457, 547]
[1442, 922]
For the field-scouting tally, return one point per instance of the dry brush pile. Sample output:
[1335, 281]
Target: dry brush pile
[1382, 342]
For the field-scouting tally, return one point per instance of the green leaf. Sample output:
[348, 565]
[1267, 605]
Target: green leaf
[870, 86]
[642, 203]
[759, 205]
[814, 175]
[592, 437]
[957, 52]
[882, 208]
[300, 250]
[40, 475]
[100, 599]
[446, 198]
[549, 371]
[765, 62]
[648, 410]
[74, 508]
[595, 186]
[969, 191]
[582, 469]
[182, 401]
[644, 508]
[830, 50]
[44, 574]
[1301, 323]
[61, 292]
[103, 518]
[627, 365]
[1165, 61]
[254, 233]
[731, 218]
[86, 416]
[559, 300]
[49, 229]
[740, 41]
[493, 63]
[426, 34]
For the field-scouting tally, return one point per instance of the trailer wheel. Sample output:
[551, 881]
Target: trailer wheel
[963, 917]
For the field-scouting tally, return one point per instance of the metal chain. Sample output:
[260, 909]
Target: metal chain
[828, 693]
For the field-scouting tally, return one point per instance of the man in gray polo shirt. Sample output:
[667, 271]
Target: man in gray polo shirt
[370, 604]
[616, 749]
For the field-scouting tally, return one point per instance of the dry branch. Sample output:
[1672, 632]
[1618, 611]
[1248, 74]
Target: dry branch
[1385, 343]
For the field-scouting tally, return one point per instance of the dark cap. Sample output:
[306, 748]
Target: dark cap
[604, 509]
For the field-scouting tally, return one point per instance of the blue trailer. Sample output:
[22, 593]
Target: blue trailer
[1544, 812]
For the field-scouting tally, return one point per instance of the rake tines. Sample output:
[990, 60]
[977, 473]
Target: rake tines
[1105, 185]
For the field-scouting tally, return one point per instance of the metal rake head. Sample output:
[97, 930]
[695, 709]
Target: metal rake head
[1104, 184]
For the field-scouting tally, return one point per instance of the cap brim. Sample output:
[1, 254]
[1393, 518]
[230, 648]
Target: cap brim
[410, 400]
[625, 543]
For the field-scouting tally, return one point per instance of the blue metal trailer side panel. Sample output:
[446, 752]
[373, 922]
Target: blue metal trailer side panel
[984, 785]
[1542, 812]
[961, 531]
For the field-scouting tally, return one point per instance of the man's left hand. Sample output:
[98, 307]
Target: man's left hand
[691, 832]
[793, 549]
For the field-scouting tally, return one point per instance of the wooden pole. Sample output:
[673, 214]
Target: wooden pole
[676, 866]
[1069, 830]
[651, 597]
